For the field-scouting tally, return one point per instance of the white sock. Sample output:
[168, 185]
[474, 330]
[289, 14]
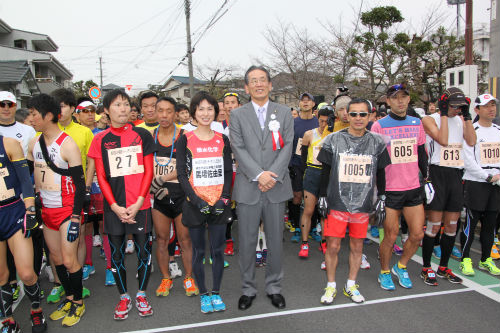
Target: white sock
[257, 249]
[350, 283]
[332, 284]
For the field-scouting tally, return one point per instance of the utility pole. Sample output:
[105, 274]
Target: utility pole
[458, 20]
[100, 69]
[189, 50]
[468, 32]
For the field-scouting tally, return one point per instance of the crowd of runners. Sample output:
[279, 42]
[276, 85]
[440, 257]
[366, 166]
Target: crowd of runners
[137, 175]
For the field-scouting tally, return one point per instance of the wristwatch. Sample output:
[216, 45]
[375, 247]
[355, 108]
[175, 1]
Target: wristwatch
[31, 209]
[489, 178]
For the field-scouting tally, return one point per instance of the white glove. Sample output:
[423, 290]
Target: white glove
[380, 210]
[429, 192]
[322, 207]
[497, 182]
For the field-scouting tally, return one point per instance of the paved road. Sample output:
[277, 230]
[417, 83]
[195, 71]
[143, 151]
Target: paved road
[473, 306]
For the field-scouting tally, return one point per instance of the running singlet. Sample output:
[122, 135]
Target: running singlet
[122, 152]
[300, 126]
[94, 188]
[10, 188]
[20, 132]
[56, 191]
[452, 155]
[314, 149]
[483, 158]
[404, 137]
[206, 170]
[165, 162]
[149, 126]
[82, 136]
[214, 126]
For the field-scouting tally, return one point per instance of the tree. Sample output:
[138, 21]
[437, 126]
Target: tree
[218, 77]
[81, 89]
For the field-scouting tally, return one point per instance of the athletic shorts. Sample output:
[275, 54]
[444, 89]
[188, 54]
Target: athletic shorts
[171, 205]
[297, 177]
[336, 224]
[53, 217]
[312, 179]
[113, 226]
[11, 218]
[448, 187]
[481, 196]
[399, 199]
[96, 204]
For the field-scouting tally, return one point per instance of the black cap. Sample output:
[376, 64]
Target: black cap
[456, 96]
[393, 90]
[308, 95]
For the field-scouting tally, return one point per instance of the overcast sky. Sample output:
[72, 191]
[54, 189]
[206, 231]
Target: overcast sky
[141, 42]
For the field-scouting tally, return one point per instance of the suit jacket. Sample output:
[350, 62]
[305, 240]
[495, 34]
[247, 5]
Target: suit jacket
[253, 150]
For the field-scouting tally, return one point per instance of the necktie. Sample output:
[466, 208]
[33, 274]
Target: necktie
[260, 113]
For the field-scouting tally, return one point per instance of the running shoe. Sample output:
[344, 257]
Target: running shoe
[403, 277]
[10, 327]
[206, 304]
[354, 294]
[374, 232]
[436, 252]
[322, 247]
[142, 305]
[288, 224]
[226, 264]
[446, 273]
[55, 294]
[164, 287]
[74, 315]
[296, 236]
[366, 241]
[229, 250]
[364, 262]
[455, 253]
[174, 270]
[404, 238]
[304, 251]
[38, 323]
[15, 293]
[96, 242]
[397, 250]
[385, 281]
[429, 276]
[50, 275]
[130, 247]
[110, 279]
[315, 235]
[217, 303]
[122, 308]
[489, 265]
[496, 241]
[258, 259]
[190, 287]
[323, 265]
[328, 296]
[177, 252]
[61, 311]
[88, 270]
[85, 292]
[494, 252]
[466, 267]
[264, 257]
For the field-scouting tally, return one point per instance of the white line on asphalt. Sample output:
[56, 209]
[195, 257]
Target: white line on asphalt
[306, 310]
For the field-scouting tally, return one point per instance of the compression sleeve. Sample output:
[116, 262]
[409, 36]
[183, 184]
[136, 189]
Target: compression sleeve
[303, 154]
[103, 182]
[23, 176]
[148, 175]
[31, 166]
[78, 177]
[325, 179]
[422, 160]
[381, 181]
[228, 169]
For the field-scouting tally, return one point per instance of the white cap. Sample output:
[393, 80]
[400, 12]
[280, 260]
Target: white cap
[484, 99]
[7, 96]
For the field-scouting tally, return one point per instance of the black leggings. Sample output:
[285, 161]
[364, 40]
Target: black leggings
[143, 245]
[488, 221]
[217, 239]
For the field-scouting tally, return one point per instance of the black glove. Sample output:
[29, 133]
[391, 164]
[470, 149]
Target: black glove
[443, 104]
[73, 231]
[466, 110]
[322, 207]
[204, 207]
[29, 224]
[86, 202]
[38, 201]
[330, 122]
[380, 210]
[221, 205]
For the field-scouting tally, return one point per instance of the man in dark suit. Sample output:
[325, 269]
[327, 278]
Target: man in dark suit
[261, 134]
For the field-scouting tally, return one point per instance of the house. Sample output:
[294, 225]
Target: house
[110, 86]
[36, 50]
[177, 87]
[16, 76]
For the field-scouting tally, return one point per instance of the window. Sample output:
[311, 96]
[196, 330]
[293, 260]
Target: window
[460, 78]
[186, 93]
[452, 79]
[20, 43]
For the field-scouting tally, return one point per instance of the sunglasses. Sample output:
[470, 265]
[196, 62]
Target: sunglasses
[327, 107]
[231, 94]
[9, 104]
[361, 114]
[343, 89]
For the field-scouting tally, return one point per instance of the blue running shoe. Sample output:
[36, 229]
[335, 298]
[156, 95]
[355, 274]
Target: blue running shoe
[87, 271]
[455, 253]
[206, 304]
[374, 232]
[402, 274]
[217, 303]
[110, 279]
[315, 235]
[296, 236]
[385, 281]
[258, 259]
[436, 252]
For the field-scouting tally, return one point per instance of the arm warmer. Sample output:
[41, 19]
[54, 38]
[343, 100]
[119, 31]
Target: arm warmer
[148, 175]
[228, 169]
[23, 176]
[103, 182]
[31, 166]
[76, 173]
[381, 181]
[325, 179]
[422, 160]
[303, 154]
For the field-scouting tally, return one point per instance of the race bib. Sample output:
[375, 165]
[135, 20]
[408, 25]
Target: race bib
[490, 152]
[124, 161]
[403, 151]
[451, 156]
[298, 150]
[161, 169]
[355, 168]
[45, 178]
[4, 192]
[316, 150]
[208, 171]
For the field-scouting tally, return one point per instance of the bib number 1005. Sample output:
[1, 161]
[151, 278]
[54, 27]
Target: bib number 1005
[355, 168]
